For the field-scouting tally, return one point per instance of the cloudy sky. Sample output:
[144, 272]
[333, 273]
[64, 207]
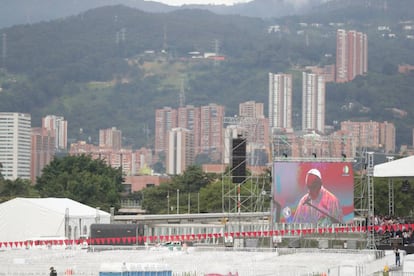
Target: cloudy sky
[206, 2]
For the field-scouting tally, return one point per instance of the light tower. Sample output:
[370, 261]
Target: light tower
[370, 188]
[390, 191]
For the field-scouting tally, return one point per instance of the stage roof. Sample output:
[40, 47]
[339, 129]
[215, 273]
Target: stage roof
[403, 167]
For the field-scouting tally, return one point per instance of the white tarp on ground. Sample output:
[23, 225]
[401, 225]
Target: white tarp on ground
[23, 219]
[403, 167]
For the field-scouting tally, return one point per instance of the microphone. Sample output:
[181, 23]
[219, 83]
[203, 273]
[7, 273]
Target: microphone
[307, 200]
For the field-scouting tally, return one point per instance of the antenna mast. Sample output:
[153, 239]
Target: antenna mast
[164, 44]
[216, 51]
[182, 93]
[4, 50]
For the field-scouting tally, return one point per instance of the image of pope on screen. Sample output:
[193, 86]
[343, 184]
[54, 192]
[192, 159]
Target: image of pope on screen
[319, 205]
[313, 192]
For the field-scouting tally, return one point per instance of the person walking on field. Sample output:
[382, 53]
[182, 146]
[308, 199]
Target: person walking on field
[397, 257]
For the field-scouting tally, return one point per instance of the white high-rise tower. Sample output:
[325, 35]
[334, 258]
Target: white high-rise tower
[180, 151]
[313, 102]
[59, 126]
[280, 101]
[15, 145]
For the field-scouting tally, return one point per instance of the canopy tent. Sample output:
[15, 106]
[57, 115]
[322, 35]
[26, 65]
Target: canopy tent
[24, 219]
[403, 167]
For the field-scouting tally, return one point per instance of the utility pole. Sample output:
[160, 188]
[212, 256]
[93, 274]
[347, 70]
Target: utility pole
[390, 191]
[178, 201]
[168, 202]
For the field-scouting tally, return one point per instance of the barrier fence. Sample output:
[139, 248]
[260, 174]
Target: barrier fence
[204, 236]
[300, 232]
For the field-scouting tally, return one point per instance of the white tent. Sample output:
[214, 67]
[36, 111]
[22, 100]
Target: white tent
[403, 167]
[24, 219]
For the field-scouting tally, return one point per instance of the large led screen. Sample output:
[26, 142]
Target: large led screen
[313, 192]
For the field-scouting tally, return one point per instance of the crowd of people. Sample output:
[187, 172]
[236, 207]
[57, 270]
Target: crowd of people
[390, 227]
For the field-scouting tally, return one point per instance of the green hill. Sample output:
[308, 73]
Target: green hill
[113, 66]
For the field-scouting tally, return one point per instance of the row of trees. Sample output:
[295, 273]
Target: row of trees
[96, 184]
[80, 178]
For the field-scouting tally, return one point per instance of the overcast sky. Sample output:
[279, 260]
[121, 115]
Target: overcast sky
[206, 2]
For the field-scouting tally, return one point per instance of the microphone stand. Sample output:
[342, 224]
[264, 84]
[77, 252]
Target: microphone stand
[333, 219]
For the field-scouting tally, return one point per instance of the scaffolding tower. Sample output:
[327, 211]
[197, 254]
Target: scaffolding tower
[370, 189]
[390, 191]
[242, 192]
[304, 145]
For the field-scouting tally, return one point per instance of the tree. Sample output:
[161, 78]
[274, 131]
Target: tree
[10, 189]
[81, 178]
[192, 179]
[403, 197]
[157, 200]
[211, 198]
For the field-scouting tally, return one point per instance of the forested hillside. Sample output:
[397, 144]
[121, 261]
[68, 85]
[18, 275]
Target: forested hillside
[113, 66]
[29, 12]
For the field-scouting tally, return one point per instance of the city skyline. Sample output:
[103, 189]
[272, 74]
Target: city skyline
[40, 149]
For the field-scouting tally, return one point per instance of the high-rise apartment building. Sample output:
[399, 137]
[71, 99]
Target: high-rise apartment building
[327, 71]
[211, 130]
[388, 137]
[372, 135]
[180, 152]
[205, 124]
[110, 138]
[131, 162]
[59, 126]
[189, 118]
[165, 120]
[280, 101]
[351, 55]
[15, 145]
[313, 102]
[251, 109]
[256, 129]
[43, 151]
